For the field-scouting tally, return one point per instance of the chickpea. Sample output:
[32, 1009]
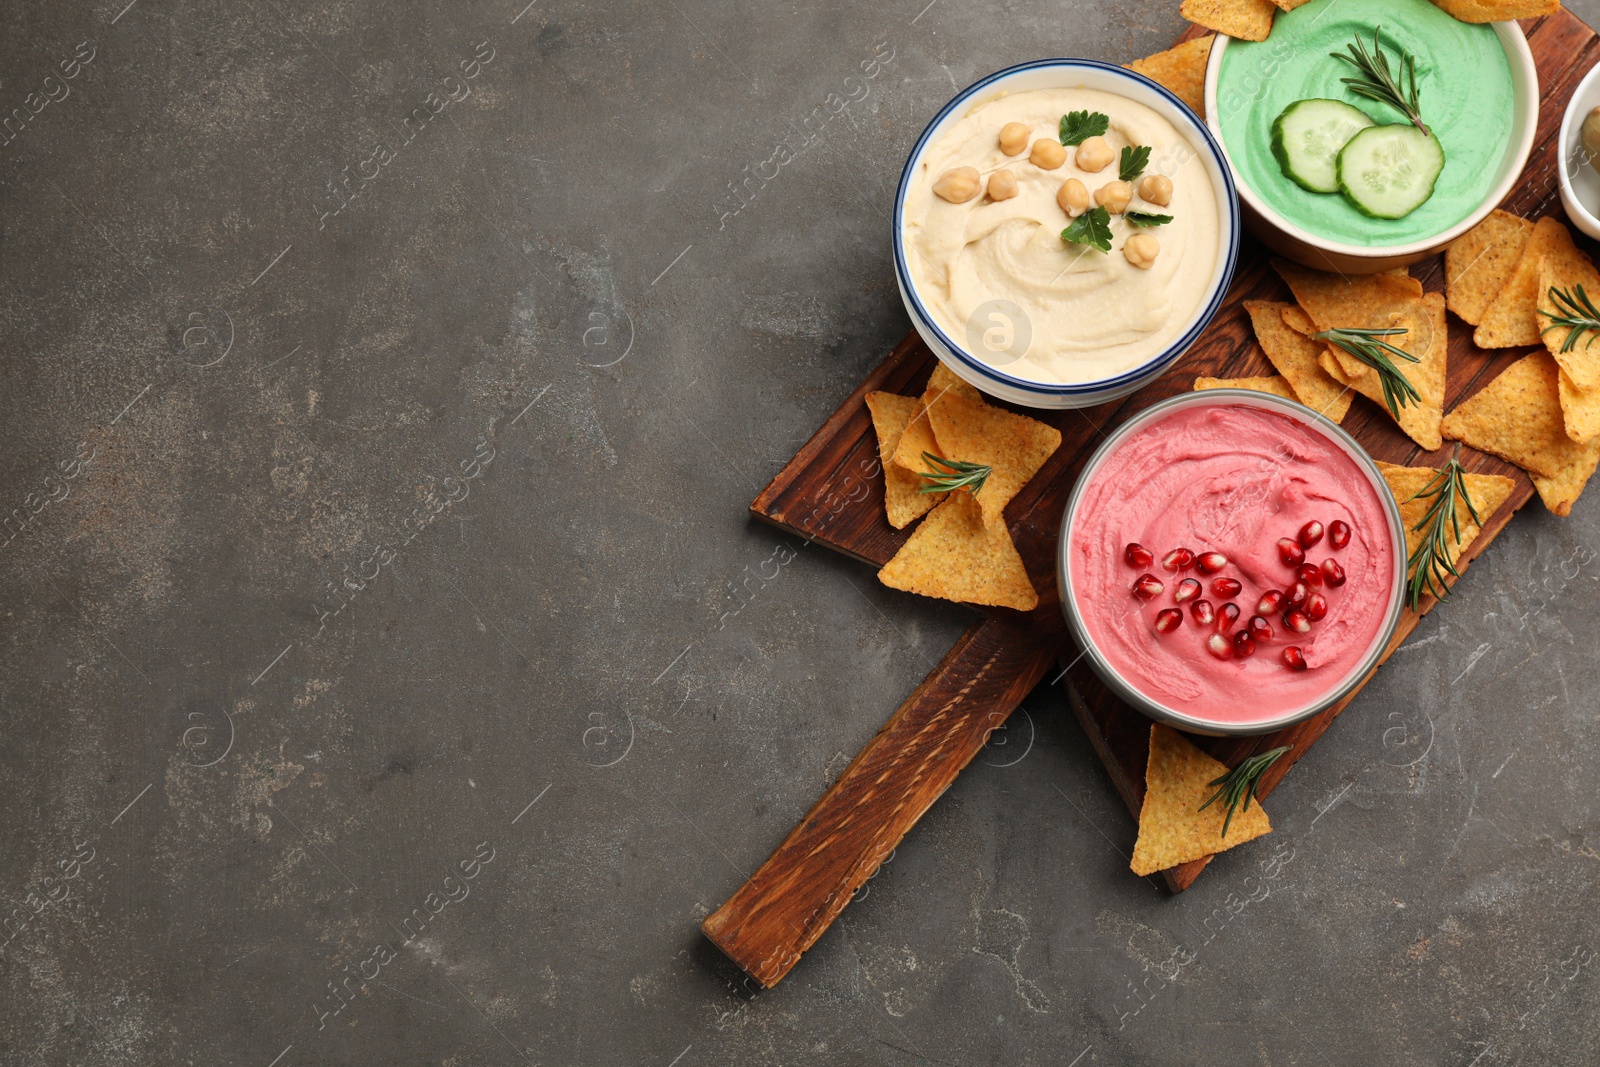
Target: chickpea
[1014, 138]
[1047, 154]
[1002, 185]
[958, 185]
[1094, 155]
[1073, 196]
[1114, 196]
[1156, 188]
[1141, 250]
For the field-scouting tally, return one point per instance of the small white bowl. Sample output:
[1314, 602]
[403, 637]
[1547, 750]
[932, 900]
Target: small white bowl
[1580, 182]
[1076, 74]
[1319, 253]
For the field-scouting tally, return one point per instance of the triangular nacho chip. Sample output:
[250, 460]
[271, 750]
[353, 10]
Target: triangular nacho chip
[954, 555]
[1295, 357]
[1172, 828]
[1512, 318]
[1497, 10]
[1339, 300]
[1478, 264]
[1181, 69]
[1013, 446]
[903, 499]
[1270, 383]
[1569, 274]
[1580, 410]
[1426, 337]
[919, 437]
[1488, 492]
[1518, 418]
[1250, 20]
[1562, 491]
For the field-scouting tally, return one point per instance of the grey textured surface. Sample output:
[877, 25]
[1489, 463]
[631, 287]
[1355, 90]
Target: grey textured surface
[229, 797]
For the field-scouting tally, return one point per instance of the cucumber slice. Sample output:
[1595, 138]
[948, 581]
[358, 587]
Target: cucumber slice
[1388, 171]
[1307, 137]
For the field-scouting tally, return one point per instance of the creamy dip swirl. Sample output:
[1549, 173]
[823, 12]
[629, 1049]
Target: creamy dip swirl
[1089, 315]
[1233, 479]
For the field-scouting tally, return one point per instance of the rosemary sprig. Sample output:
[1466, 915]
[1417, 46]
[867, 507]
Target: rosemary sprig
[1432, 560]
[1240, 784]
[1377, 81]
[1370, 348]
[957, 474]
[1578, 313]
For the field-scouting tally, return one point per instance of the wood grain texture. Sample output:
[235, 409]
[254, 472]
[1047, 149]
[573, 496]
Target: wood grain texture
[832, 493]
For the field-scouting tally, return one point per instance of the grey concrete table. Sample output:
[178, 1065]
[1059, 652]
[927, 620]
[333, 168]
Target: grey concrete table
[390, 674]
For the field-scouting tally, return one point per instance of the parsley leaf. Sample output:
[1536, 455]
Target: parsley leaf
[1079, 126]
[1133, 161]
[1092, 228]
[1146, 218]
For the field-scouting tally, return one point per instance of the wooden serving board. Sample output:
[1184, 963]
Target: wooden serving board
[831, 492]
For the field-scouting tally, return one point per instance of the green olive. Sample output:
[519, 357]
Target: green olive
[1589, 133]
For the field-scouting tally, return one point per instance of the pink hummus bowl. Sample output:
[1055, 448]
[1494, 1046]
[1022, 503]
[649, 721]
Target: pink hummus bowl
[1255, 488]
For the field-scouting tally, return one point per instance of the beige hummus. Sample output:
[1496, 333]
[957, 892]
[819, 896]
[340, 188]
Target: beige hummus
[1088, 315]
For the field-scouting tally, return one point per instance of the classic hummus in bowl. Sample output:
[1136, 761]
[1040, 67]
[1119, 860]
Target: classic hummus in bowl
[1001, 295]
[1477, 91]
[1232, 562]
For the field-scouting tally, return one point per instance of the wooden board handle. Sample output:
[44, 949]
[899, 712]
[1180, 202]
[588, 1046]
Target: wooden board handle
[804, 885]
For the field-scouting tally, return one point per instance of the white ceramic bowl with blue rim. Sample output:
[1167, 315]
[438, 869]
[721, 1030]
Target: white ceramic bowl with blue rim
[1074, 74]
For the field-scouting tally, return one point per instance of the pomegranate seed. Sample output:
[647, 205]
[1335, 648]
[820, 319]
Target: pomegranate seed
[1290, 552]
[1296, 620]
[1297, 594]
[1219, 646]
[1338, 533]
[1332, 573]
[1316, 606]
[1147, 587]
[1226, 586]
[1260, 628]
[1210, 562]
[1179, 559]
[1137, 555]
[1227, 615]
[1269, 603]
[1294, 659]
[1188, 589]
[1310, 534]
[1310, 574]
[1168, 620]
[1202, 612]
[1244, 646]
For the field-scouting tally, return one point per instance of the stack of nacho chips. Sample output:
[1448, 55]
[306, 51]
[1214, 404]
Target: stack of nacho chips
[1487, 492]
[1172, 828]
[963, 550]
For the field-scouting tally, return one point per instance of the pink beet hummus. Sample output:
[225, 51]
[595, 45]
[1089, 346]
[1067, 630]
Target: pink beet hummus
[1234, 479]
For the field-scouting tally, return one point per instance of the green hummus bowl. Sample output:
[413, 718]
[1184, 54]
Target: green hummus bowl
[1479, 94]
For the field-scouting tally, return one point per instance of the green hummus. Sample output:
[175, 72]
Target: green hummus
[1466, 99]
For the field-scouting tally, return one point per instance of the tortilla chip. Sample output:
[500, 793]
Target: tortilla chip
[955, 556]
[1512, 319]
[1172, 829]
[902, 496]
[1487, 491]
[1570, 274]
[1518, 418]
[1250, 20]
[1268, 383]
[1478, 264]
[1296, 356]
[1377, 301]
[1580, 410]
[1295, 317]
[1014, 446]
[1496, 10]
[919, 437]
[1181, 69]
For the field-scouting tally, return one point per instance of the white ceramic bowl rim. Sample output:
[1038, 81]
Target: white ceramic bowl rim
[1199, 131]
[1570, 147]
[1306, 417]
[1515, 44]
